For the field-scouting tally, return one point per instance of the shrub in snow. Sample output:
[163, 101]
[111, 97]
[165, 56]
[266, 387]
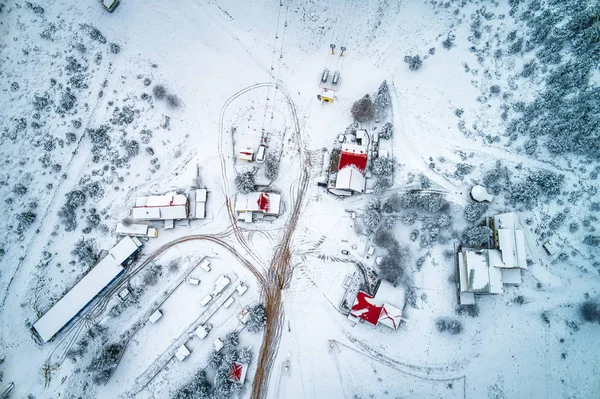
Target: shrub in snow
[392, 267]
[545, 318]
[414, 235]
[431, 202]
[94, 190]
[173, 101]
[271, 168]
[471, 310]
[115, 48]
[591, 240]
[448, 43]
[147, 82]
[223, 388]
[382, 184]
[409, 218]
[557, 221]
[19, 189]
[99, 137]
[372, 218]
[414, 62]
[159, 92]
[474, 211]
[244, 182]
[389, 222]
[385, 239]
[573, 227]
[463, 169]
[132, 147]
[25, 220]
[94, 33]
[67, 102]
[152, 274]
[363, 110]
[40, 103]
[124, 116]
[382, 99]
[443, 220]
[590, 311]
[477, 236]
[145, 136]
[495, 89]
[453, 326]
[387, 131]
[85, 251]
[104, 364]
[257, 318]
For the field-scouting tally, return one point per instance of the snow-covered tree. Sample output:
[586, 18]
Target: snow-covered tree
[257, 318]
[244, 182]
[245, 355]
[385, 239]
[474, 211]
[223, 388]
[372, 216]
[414, 62]
[215, 359]
[382, 99]
[271, 168]
[231, 341]
[103, 365]
[477, 236]
[387, 131]
[383, 166]
[363, 110]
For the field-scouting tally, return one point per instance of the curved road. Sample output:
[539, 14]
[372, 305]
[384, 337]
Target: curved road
[280, 269]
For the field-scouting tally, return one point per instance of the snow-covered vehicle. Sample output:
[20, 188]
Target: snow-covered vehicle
[261, 155]
[110, 5]
[325, 75]
[336, 78]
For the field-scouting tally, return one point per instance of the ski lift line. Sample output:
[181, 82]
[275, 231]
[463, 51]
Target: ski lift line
[344, 42]
[272, 62]
[287, 9]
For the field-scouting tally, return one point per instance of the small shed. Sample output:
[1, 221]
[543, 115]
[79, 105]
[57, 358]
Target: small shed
[218, 344]
[193, 281]
[480, 194]
[237, 372]
[241, 289]
[154, 317]
[246, 155]
[182, 353]
[220, 284]
[201, 195]
[228, 302]
[201, 332]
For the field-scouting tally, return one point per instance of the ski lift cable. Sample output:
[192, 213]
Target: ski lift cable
[287, 9]
[272, 62]
[347, 33]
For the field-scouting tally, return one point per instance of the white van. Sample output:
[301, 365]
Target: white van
[261, 155]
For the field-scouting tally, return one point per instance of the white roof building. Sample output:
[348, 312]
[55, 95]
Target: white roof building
[87, 288]
[485, 271]
[182, 353]
[170, 206]
[350, 179]
[267, 204]
[201, 195]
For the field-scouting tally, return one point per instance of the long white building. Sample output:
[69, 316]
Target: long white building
[170, 206]
[69, 306]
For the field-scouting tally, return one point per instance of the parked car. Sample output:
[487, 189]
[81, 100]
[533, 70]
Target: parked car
[110, 5]
[345, 252]
[261, 154]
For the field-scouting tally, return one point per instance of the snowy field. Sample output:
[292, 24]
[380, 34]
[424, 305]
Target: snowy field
[99, 108]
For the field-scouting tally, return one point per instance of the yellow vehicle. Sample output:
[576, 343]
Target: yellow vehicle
[326, 96]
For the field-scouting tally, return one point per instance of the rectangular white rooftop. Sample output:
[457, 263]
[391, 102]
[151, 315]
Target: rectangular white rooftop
[85, 290]
[154, 317]
[201, 332]
[182, 353]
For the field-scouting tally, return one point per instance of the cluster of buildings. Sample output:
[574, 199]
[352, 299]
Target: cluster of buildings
[257, 206]
[170, 207]
[348, 167]
[487, 271]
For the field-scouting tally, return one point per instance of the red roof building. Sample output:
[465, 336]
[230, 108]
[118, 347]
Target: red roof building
[237, 372]
[378, 310]
[354, 155]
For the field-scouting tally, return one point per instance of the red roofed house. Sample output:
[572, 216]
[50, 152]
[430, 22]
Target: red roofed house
[352, 165]
[257, 203]
[379, 309]
[237, 372]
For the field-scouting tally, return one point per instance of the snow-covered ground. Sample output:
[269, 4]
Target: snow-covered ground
[98, 108]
